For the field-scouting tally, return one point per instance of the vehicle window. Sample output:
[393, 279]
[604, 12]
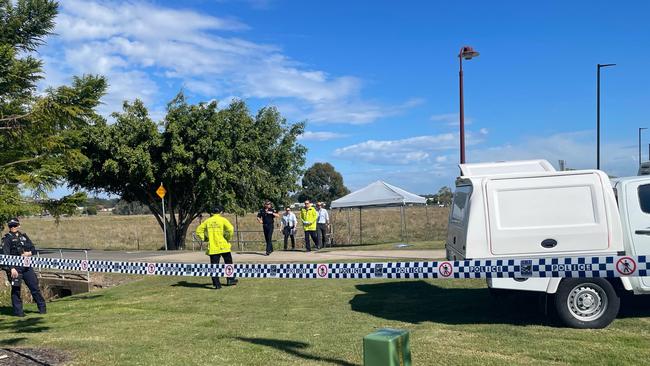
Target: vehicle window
[644, 198]
[459, 206]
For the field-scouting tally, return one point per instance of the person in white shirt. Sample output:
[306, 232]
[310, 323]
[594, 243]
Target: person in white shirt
[289, 222]
[322, 224]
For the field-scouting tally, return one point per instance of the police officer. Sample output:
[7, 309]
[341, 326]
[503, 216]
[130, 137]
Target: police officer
[19, 244]
[217, 230]
[266, 217]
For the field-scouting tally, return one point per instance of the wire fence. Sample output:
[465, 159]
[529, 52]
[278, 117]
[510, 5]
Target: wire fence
[142, 232]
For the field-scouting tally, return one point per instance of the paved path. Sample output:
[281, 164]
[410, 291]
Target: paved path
[254, 257]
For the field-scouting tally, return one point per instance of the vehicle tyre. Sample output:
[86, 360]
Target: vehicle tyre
[586, 302]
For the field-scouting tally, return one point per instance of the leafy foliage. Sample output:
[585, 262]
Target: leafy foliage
[322, 183]
[204, 156]
[39, 134]
[444, 197]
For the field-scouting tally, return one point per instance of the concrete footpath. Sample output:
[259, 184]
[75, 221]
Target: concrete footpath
[254, 257]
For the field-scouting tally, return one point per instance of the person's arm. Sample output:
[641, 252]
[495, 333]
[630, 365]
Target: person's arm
[327, 217]
[200, 230]
[259, 216]
[29, 249]
[228, 230]
[6, 249]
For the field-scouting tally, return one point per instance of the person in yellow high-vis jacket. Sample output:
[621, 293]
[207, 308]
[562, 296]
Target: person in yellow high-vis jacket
[217, 230]
[309, 216]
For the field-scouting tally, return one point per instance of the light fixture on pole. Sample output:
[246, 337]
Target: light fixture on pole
[466, 53]
[598, 67]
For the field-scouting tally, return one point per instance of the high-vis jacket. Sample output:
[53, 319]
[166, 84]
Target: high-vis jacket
[309, 218]
[218, 230]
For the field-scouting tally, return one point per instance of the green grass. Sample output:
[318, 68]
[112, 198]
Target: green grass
[179, 321]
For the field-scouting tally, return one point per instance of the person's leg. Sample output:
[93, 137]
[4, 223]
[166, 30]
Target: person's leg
[29, 276]
[227, 258]
[268, 231]
[307, 246]
[16, 301]
[293, 242]
[214, 259]
[318, 237]
[286, 239]
[312, 234]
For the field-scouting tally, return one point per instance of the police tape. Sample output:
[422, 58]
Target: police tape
[604, 266]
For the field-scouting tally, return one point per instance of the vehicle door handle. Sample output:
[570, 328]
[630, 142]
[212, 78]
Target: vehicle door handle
[549, 243]
[643, 232]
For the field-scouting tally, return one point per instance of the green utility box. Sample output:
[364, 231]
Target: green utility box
[387, 347]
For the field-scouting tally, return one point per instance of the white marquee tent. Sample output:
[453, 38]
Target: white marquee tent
[379, 194]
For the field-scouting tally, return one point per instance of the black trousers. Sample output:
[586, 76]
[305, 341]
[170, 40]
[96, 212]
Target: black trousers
[321, 234]
[287, 232]
[214, 259]
[30, 279]
[268, 237]
[313, 236]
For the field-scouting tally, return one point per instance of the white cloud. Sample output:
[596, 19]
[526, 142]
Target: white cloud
[321, 136]
[483, 131]
[412, 150]
[146, 48]
[578, 149]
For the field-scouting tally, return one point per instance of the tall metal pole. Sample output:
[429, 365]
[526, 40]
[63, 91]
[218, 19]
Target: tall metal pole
[462, 110]
[598, 67]
[598, 118]
[640, 129]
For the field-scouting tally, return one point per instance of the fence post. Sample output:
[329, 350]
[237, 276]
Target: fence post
[237, 231]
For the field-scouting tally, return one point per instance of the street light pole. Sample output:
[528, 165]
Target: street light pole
[640, 129]
[467, 53]
[598, 67]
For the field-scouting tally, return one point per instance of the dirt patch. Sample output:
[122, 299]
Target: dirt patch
[107, 280]
[32, 356]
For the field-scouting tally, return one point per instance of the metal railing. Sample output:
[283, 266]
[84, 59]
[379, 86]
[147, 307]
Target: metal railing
[62, 274]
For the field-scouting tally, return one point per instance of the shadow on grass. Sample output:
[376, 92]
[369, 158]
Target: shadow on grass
[416, 302]
[294, 348]
[79, 297]
[635, 306]
[11, 341]
[23, 325]
[193, 285]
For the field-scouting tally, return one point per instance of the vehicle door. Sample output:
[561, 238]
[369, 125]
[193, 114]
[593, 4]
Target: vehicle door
[638, 212]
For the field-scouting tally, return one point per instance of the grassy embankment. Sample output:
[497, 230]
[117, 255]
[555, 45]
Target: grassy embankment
[425, 227]
[179, 321]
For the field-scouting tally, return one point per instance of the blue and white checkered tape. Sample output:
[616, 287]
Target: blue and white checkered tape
[603, 266]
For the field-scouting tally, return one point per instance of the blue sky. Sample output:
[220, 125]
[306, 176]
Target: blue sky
[377, 81]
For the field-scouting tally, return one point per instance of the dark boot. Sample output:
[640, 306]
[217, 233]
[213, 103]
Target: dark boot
[232, 281]
[216, 283]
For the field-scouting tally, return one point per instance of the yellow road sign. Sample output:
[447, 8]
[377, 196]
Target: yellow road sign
[161, 191]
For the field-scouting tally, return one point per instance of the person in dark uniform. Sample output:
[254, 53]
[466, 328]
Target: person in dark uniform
[266, 217]
[17, 243]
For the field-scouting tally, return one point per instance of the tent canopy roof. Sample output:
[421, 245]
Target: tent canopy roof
[378, 194]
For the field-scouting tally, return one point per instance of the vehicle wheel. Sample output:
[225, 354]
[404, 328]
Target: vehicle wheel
[586, 303]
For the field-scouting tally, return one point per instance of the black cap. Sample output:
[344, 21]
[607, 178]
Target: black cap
[14, 222]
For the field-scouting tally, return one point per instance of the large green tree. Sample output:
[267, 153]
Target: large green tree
[39, 132]
[204, 156]
[322, 183]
